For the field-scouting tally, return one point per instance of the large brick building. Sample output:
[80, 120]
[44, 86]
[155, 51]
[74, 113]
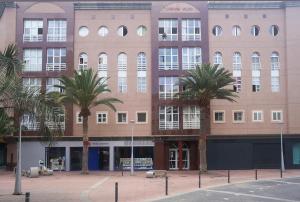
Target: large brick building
[144, 48]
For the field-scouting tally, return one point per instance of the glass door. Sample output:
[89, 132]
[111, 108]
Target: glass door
[173, 159]
[186, 158]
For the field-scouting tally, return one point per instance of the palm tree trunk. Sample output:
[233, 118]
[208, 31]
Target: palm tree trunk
[17, 190]
[202, 139]
[85, 151]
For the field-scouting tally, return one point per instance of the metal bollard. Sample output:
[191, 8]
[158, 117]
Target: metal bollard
[199, 179]
[27, 197]
[116, 192]
[228, 176]
[167, 185]
[255, 174]
[280, 173]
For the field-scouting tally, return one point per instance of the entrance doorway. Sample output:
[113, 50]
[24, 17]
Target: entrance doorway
[98, 158]
[174, 157]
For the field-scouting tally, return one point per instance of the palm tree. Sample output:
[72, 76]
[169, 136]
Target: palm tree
[9, 61]
[202, 85]
[6, 123]
[84, 90]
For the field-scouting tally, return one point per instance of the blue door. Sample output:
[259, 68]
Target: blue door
[94, 158]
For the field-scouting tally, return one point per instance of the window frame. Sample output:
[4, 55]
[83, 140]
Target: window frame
[243, 116]
[99, 113]
[121, 112]
[169, 125]
[189, 124]
[262, 116]
[163, 65]
[78, 118]
[136, 117]
[185, 28]
[214, 115]
[189, 57]
[281, 116]
[168, 36]
[62, 31]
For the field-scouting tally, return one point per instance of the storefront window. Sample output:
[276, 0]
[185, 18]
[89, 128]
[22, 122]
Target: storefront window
[143, 158]
[296, 154]
[56, 158]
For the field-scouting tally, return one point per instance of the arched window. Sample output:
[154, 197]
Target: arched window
[102, 63]
[236, 30]
[218, 60]
[122, 73]
[237, 61]
[122, 62]
[141, 73]
[83, 61]
[255, 58]
[275, 61]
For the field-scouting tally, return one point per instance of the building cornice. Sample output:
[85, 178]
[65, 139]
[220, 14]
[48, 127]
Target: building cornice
[241, 5]
[112, 6]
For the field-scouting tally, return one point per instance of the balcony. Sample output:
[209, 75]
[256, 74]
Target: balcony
[32, 38]
[191, 124]
[56, 66]
[56, 38]
[191, 37]
[168, 125]
[168, 66]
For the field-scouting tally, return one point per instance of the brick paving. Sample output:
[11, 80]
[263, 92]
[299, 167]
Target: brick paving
[99, 186]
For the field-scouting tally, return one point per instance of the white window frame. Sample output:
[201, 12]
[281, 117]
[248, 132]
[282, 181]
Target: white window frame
[275, 87]
[136, 117]
[253, 116]
[168, 24]
[275, 62]
[122, 84]
[102, 67]
[50, 87]
[255, 61]
[172, 85]
[33, 59]
[218, 59]
[59, 30]
[164, 65]
[30, 122]
[214, 115]
[121, 112]
[237, 61]
[141, 84]
[83, 61]
[236, 30]
[191, 123]
[51, 65]
[141, 73]
[237, 83]
[33, 83]
[169, 125]
[186, 35]
[101, 113]
[78, 118]
[281, 116]
[33, 26]
[243, 116]
[256, 84]
[191, 56]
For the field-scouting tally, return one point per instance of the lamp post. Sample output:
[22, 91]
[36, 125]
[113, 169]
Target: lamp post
[281, 150]
[131, 161]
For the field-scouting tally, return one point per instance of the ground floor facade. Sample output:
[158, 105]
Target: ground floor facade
[2, 154]
[161, 153]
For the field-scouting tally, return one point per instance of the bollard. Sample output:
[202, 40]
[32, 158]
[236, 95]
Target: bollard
[166, 185]
[228, 176]
[116, 192]
[255, 174]
[280, 173]
[199, 179]
[27, 197]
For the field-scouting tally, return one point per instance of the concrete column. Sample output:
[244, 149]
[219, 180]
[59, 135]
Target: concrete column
[111, 158]
[68, 159]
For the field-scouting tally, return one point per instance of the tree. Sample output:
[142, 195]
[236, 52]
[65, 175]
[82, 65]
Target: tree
[84, 90]
[202, 85]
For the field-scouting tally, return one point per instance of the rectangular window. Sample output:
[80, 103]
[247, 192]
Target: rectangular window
[141, 117]
[276, 116]
[59, 121]
[32, 60]
[167, 30]
[50, 85]
[219, 116]
[191, 30]
[275, 84]
[122, 84]
[238, 116]
[122, 117]
[168, 59]
[191, 117]
[168, 117]
[33, 31]
[29, 122]
[141, 84]
[33, 84]
[56, 59]
[237, 85]
[257, 116]
[191, 57]
[78, 118]
[255, 84]
[57, 30]
[168, 87]
[101, 117]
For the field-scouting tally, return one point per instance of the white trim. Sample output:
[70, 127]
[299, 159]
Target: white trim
[77, 116]
[262, 116]
[102, 112]
[214, 120]
[126, 112]
[136, 117]
[243, 117]
[281, 116]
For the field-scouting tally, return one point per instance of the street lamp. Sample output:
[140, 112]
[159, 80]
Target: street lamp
[281, 150]
[131, 165]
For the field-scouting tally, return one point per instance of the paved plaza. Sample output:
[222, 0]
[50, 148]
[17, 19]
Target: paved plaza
[100, 187]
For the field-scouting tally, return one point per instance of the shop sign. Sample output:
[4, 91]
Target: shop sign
[139, 143]
[99, 144]
[138, 163]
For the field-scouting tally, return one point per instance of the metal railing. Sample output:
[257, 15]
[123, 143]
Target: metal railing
[56, 66]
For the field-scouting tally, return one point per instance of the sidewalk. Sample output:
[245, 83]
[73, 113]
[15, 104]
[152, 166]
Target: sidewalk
[100, 186]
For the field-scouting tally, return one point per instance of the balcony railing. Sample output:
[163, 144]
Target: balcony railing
[53, 125]
[168, 66]
[56, 38]
[56, 66]
[191, 124]
[189, 65]
[168, 125]
[141, 67]
[102, 67]
[191, 37]
[32, 38]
